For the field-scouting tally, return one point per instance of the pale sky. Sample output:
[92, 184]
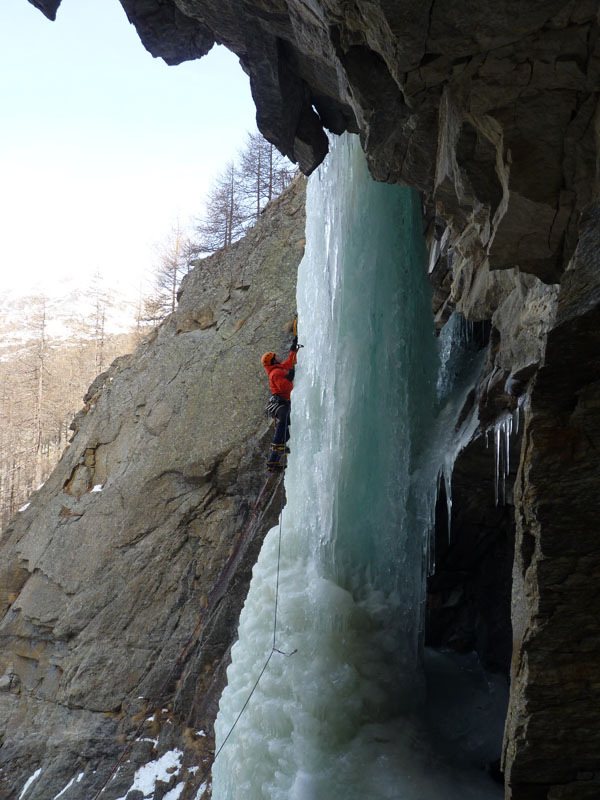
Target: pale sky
[103, 147]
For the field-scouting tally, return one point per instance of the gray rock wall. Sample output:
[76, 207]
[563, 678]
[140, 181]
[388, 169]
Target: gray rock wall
[104, 575]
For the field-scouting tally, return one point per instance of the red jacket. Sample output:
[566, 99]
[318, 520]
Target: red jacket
[278, 383]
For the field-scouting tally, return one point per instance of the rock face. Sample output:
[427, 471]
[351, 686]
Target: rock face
[103, 577]
[490, 109]
[556, 604]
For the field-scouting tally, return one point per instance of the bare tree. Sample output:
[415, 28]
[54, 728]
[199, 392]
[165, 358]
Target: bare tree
[174, 260]
[100, 304]
[240, 193]
[44, 371]
[224, 220]
[264, 173]
[40, 353]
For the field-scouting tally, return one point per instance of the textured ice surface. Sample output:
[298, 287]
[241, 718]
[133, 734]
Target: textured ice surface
[344, 716]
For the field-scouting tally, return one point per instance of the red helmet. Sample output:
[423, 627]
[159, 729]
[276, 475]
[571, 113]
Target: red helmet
[268, 359]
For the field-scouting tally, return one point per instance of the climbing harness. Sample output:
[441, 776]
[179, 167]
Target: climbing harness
[215, 594]
[275, 402]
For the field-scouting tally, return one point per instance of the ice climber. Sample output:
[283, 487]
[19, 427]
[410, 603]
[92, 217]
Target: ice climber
[281, 383]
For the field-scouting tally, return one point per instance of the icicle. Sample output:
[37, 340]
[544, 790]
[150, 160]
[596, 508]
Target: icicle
[431, 551]
[502, 432]
[502, 453]
[448, 487]
[496, 461]
[507, 435]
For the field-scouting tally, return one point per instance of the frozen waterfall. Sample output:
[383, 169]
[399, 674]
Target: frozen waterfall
[338, 713]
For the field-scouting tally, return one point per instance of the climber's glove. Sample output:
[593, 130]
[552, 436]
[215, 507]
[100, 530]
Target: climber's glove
[294, 346]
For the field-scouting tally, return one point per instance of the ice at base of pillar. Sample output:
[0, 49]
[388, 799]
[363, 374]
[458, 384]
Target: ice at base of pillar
[341, 712]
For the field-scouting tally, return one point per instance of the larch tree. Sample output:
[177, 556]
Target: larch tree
[264, 173]
[100, 300]
[40, 351]
[47, 362]
[240, 193]
[174, 260]
[224, 220]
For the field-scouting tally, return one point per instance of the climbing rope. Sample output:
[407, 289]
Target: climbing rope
[212, 599]
[274, 649]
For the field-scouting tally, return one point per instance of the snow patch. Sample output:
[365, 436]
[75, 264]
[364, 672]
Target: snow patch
[146, 777]
[175, 793]
[29, 782]
[24, 507]
[76, 779]
[98, 487]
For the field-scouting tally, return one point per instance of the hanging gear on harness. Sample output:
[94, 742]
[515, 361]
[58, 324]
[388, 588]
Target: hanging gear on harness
[275, 401]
